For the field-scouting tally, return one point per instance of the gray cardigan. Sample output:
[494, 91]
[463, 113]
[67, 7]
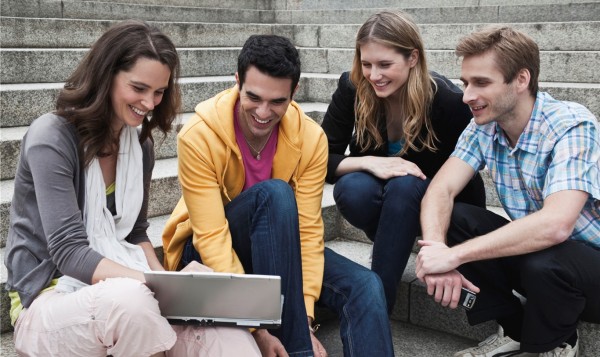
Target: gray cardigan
[47, 238]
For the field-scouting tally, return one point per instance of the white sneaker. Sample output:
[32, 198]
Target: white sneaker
[564, 350]
[497, 345]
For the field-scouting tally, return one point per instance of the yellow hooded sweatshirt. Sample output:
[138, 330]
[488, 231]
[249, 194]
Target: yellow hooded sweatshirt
[211, 173]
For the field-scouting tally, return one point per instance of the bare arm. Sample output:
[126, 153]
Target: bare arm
[436, 209]
[437, 204]
[551, 225]
[151, 257]
[111, 269]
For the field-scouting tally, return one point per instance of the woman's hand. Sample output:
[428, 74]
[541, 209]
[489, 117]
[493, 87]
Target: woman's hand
[381, 167]
[388, 167]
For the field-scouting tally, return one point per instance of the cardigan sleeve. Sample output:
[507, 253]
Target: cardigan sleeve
[51, 157]
[338, 124]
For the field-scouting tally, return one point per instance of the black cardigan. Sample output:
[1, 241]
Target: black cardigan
[449, 117]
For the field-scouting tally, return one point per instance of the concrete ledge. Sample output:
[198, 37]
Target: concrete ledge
[49, 65]
[218, 14]
[353, 4]
[66, 33]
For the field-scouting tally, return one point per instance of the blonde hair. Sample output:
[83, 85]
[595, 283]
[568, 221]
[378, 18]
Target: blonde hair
[394, 29]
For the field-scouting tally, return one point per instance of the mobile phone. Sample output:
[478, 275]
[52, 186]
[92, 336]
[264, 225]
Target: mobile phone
[467, 298]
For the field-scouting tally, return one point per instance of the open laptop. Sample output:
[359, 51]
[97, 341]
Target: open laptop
[218, 299]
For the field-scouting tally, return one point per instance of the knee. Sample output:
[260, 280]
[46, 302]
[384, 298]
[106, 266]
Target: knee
[129, 300]
[368, 288]
[538, 268]
[460, 214]
[276, 193]
[407, 187]
[355, 189]
[275, 189]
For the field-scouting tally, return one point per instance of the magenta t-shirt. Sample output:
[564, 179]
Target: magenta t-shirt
[256, 170]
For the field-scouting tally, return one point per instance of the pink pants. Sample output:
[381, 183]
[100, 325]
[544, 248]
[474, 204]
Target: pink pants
[118, 317]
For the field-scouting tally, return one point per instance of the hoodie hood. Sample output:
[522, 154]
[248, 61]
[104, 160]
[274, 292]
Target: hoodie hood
[217, 113]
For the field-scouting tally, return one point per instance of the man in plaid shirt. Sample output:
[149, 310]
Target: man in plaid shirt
[544, 158]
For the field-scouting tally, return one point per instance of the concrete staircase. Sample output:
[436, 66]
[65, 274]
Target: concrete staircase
[41, 42]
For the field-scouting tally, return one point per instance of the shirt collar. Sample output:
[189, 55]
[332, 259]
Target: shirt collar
[530, 137]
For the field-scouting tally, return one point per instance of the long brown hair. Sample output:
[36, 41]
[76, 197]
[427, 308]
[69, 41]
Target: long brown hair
[85, 100]
[394, 29]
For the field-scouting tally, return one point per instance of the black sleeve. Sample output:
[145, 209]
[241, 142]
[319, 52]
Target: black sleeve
[338, 124]
[452, 116]
[450, 113]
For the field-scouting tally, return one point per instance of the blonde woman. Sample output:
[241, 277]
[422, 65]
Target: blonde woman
[401, 122]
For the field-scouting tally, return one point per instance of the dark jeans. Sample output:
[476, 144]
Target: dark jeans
[355, 293]
[265, 234]
[388, 212]
[561, 284]
[263, 222]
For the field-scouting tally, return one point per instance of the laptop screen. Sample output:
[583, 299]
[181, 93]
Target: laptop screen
[209, 298]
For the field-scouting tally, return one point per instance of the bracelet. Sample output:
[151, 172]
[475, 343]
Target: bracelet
[314, 327]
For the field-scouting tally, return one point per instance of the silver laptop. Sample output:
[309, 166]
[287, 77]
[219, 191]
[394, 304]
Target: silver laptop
[218, 299]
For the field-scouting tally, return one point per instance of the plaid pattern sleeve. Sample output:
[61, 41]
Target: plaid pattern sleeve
[575, 161]
[468, 147]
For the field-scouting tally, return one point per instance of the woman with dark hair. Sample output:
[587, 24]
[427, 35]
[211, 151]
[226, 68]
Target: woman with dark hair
[77, 244]
[401, 122]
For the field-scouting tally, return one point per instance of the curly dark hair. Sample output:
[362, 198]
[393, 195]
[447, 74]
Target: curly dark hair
[273, 55]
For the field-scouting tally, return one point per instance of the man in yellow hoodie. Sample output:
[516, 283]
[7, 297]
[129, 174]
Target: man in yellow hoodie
[252, 168]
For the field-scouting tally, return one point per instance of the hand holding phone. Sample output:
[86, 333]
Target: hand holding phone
[467, 298]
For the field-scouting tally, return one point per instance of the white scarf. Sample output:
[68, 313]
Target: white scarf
[107, 233]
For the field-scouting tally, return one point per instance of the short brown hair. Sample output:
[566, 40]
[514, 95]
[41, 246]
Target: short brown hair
[85, 100]
[514, 51]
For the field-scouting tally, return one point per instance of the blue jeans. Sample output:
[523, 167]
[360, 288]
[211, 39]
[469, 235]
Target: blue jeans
[263, 222]
[388, 212]
[355, 293]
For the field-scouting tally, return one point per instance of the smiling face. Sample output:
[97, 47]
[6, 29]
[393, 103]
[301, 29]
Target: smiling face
[136, 92]
[263, 102]
[385, 68]
[486, 93]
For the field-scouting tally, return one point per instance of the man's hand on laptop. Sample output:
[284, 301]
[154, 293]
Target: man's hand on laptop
[269, 345]
[194, 266]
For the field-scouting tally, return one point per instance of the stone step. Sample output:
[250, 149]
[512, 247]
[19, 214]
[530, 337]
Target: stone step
[352, 4]
[196, 13]
[18, 32]
[22, 103]
[55, 65]
[55, 8]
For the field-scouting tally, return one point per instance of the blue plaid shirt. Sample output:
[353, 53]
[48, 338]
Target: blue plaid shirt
[558, 150]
